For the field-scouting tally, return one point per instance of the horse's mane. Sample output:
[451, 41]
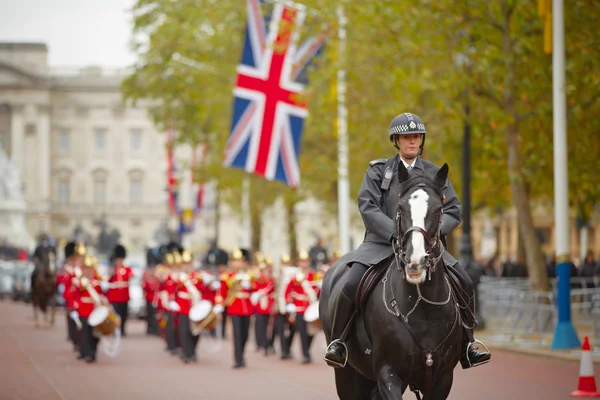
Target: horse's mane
[420, 180]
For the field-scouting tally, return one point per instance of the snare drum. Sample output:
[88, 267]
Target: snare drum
[311, 315]
[104, 320]
[202, 316]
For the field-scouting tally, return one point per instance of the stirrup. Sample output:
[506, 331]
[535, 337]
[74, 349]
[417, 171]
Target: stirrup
[334, 363]
[467, 353]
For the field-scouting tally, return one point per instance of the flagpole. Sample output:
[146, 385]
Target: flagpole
[246, 239]
[342, 131]
[565, 336]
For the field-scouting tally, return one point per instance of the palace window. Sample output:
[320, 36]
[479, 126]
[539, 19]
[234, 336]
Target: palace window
[100, 139]
[135, 191]
[63, 140]
[136, 140]
[64, 189]
[100, 191]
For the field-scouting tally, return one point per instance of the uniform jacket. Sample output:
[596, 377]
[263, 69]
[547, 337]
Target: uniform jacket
[378, 209]
[241, 305]
[266, 287]
[150, 286]
[295, 293]
[84, 303]
[183, 297]
[118, 284]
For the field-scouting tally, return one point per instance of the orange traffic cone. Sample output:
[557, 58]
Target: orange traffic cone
[587, 381]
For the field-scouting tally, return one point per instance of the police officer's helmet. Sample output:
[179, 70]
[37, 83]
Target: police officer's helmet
[407, 124]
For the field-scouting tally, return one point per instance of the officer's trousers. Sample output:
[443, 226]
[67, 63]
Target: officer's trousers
[171, 333]
[186, 338]
[261, 323]
[241, 329]
[88, 341]
[122, 309]
[151, 321]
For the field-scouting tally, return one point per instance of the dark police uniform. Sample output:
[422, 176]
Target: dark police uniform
[377, 203]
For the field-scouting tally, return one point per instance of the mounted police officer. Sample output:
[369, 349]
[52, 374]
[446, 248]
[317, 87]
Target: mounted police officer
[377, 202]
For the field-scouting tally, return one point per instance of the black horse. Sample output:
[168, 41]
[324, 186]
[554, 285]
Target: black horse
[44, 287]
[408, 332]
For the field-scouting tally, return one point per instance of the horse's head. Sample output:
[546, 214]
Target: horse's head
[49, 259]
[418, 218]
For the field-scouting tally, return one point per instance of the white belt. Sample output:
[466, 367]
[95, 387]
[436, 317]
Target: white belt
[184, 295]
[118, 285]
[88, 300]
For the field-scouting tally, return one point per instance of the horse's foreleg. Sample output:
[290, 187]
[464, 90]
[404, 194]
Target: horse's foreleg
[389, 383]
[52, 312]
[441, 387]
[35, 314]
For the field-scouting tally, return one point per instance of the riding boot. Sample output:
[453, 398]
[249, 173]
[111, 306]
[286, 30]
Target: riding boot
[470, 357]
[336, 354]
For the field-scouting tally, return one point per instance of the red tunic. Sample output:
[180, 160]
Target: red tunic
[266, 287]
[150, 286]
[295, 293]
[118, 284]
[84, 303]
[183, 297]
[241, 305]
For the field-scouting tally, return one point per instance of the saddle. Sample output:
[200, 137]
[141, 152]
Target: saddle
[370, 279]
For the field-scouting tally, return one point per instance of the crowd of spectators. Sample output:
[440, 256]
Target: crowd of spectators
[9, 252]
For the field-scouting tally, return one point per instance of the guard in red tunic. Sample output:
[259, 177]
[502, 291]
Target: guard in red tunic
[188, 293]
[118, 285]
[263, 299]
[168, 305]
[299, 294]
[150, 285]
[87, 281]
[236, 293]
[64, 277]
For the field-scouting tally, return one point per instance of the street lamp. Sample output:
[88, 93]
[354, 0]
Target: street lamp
[466, 259]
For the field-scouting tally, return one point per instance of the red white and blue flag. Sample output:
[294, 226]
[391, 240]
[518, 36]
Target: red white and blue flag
[268, 113]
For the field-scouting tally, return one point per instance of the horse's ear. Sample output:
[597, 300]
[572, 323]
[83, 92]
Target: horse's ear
[442, 175]
[402, 172]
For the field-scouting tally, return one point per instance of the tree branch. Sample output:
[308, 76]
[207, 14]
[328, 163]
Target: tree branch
[488, 95]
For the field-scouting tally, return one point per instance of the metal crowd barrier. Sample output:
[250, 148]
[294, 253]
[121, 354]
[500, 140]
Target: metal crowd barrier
[513, 312]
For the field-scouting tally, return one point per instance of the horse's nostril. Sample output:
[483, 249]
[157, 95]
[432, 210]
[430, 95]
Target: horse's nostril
[424, 259]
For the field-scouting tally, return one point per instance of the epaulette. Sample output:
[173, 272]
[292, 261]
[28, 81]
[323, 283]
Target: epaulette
[377, 162]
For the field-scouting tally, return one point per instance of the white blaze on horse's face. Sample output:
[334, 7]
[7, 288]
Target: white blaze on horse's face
[415, 271]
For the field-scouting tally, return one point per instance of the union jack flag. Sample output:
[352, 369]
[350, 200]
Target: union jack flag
[268, 113]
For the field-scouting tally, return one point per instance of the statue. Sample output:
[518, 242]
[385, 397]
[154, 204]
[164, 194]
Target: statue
[12, 205]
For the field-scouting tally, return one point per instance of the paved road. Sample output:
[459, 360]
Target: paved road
[38, 364]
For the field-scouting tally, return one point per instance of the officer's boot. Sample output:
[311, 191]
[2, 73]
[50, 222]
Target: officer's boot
[336, 354]
[470, 357]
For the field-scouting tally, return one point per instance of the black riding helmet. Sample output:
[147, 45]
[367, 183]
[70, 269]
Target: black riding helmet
[407, 124]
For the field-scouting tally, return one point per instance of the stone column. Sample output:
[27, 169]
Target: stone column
[43, 142]
[17, 135]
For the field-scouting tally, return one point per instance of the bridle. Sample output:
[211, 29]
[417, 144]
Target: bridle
[432, 243]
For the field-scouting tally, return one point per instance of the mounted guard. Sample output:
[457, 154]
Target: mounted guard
[392, 240]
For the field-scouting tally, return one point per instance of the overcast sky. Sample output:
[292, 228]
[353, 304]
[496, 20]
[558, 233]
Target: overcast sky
[77, 32]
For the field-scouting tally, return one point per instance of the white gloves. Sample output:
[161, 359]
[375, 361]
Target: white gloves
[254, 297]
[218, 309]
[290, 308]
[215, 285]
[173, 306]
[246, 285]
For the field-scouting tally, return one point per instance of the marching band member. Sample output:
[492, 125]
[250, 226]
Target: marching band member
[118, 285]
[263, 299]
[64, 277]
[299, 294]
[188, 293]
[236, 292]
[150, 283]
[87, 280]
[167, 296]
[281, 317]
